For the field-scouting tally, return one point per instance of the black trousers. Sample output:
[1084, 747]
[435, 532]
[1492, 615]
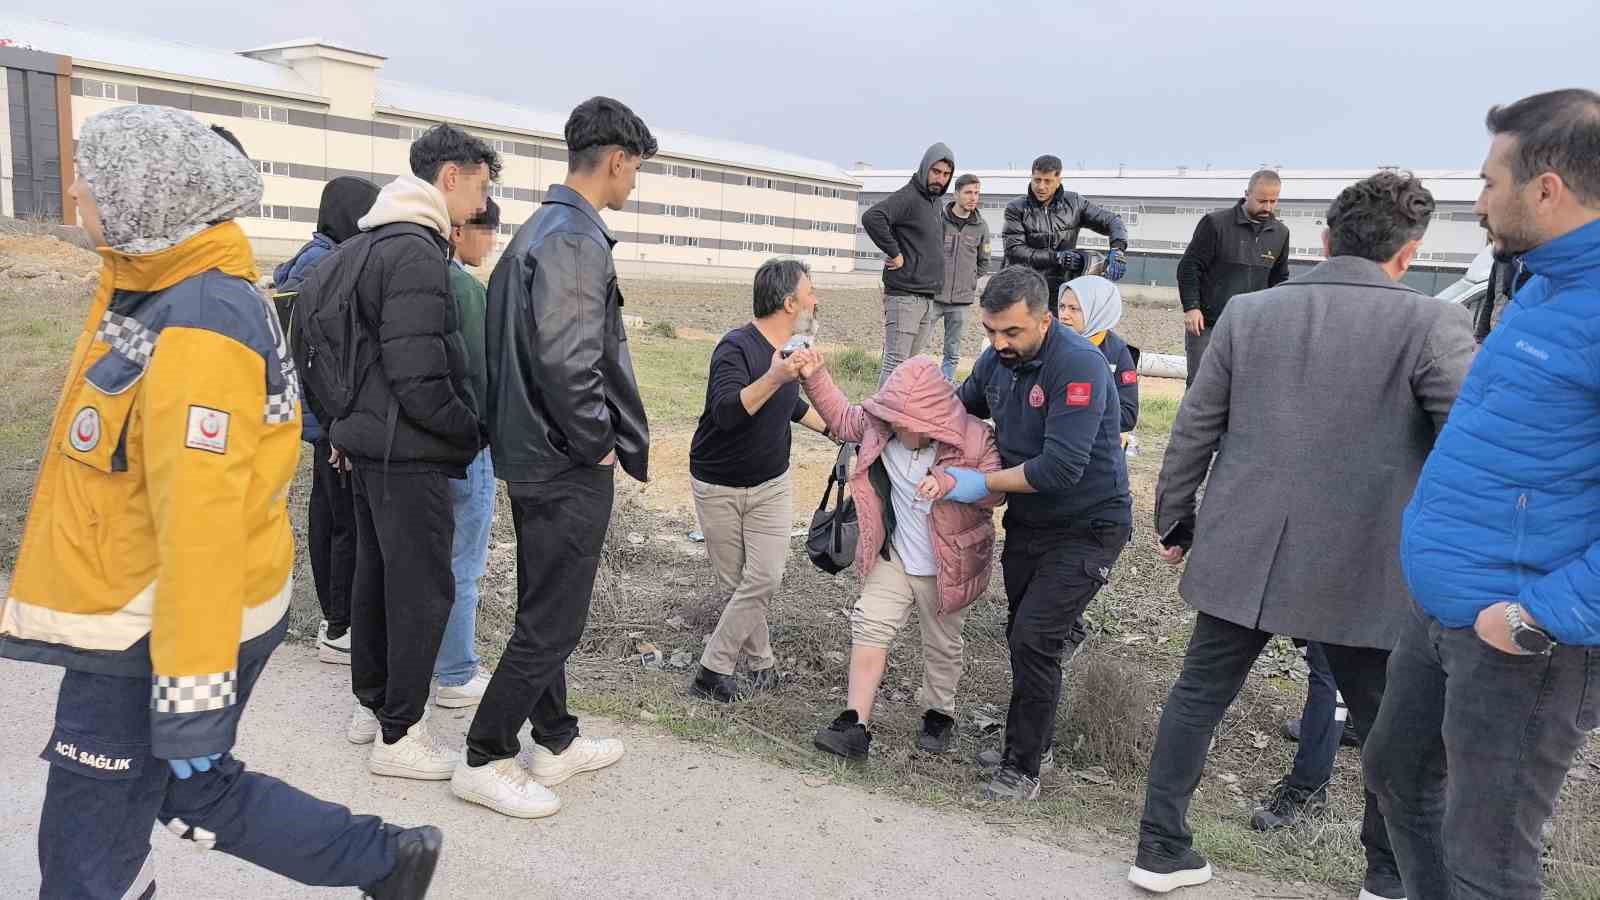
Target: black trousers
[1219, 658]
[561, 528]
[403, 591]
[1050, 577]
[1469, 755]
[331, 534]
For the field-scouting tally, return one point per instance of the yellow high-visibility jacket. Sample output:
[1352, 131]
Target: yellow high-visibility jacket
[158, 544]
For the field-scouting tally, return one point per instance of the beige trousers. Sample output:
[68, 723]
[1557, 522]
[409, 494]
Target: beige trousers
[887, 598]
[747, 540]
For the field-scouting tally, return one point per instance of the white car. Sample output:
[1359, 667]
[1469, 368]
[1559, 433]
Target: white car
[1470, 290]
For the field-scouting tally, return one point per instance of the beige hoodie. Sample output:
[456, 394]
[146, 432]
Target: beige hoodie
[409, 199]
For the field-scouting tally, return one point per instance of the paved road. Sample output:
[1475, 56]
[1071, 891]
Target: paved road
[673, 819]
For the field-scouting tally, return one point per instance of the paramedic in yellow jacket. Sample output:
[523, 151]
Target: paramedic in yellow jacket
[155, 564]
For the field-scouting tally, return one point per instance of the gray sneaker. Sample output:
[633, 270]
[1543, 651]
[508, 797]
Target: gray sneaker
[1010, 784]
[990, 762]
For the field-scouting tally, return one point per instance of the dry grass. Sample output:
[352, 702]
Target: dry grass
[655, 586]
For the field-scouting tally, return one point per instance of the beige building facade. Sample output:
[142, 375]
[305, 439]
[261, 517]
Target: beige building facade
[307, 111]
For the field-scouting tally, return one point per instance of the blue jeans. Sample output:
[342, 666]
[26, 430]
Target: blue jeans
[105, 791]
[473, 500]
[1320, 730]
[954, 316]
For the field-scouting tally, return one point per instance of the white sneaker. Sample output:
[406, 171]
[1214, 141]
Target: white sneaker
[414, 756]
[461, 696]
[363, 728]
[505, 787]
[585, 754]
[335, 651]
[1368, 895]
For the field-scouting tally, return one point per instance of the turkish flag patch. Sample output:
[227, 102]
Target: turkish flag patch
[1079, 393]
[1130, 376]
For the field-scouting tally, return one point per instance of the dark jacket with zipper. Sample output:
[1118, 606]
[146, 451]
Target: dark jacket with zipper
[910, 223]
[1034, 231]
[1231, 254]
[413, 412]
[1123, 358]
[966, 255]
[562, 393]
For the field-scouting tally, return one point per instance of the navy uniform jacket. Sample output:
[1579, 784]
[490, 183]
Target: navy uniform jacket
[1058, 417]
[1123, 358]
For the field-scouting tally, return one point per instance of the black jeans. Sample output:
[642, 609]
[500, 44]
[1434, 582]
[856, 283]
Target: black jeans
[331, 536]
[1219, 658]
[403, 591]
[1469, 753]
[1050, 577]
[1320, 731]
[561, 528]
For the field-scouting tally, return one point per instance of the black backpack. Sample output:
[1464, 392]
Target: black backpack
[332, 345]
[831, 542]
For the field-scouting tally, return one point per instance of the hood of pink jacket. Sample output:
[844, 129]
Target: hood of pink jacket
[916, 397]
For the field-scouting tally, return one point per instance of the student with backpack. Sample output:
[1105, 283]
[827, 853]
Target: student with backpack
[381, 345]
[916, 550]
[330, 518]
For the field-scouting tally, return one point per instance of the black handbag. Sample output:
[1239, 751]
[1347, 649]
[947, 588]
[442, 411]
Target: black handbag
[831, 542]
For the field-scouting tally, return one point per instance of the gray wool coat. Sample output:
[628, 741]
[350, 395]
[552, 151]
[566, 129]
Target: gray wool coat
[1320, 399]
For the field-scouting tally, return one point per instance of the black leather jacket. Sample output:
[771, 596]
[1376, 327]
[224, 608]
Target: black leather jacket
[1034, 231]
[562, 393]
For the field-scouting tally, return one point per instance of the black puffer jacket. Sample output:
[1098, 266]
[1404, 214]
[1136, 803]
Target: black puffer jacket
[418, 382]
[910, 223]
[1034, 231]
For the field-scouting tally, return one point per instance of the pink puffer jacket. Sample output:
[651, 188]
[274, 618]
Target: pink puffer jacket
[918, 398]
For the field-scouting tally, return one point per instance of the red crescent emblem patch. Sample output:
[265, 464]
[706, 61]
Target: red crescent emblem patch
[1036, 397]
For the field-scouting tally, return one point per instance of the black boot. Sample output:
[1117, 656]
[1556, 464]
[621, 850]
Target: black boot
[846, 737]
[714, 686]
[416, 853]
[938, 733]
[1287, 805]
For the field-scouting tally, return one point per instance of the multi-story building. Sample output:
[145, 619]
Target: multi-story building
[308, 111]
[1161, 209]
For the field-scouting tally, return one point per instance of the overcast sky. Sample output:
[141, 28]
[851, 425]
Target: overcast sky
[1353, 84]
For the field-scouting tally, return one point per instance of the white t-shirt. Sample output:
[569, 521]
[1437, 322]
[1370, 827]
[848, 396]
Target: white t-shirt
[913, 535]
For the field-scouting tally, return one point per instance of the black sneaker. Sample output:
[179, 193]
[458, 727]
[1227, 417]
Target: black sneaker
[846, 737]
[765, 679]
[991, 761]
[1349, 738]
[1286, 805]
[714, 686]
[938, 733]
[1011, 784]
[1161, 874]
[416, 853]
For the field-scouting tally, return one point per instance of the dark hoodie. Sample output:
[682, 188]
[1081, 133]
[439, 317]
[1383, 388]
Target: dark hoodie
[910, 223]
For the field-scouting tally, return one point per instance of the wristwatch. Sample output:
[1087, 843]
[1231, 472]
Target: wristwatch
[1528, 637]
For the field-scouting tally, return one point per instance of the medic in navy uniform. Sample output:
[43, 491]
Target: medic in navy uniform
[1057, 421]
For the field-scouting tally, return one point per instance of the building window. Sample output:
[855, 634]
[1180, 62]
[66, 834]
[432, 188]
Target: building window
[683, 212]
[757, 182]
[759, 219]
[734, 217]
[680, 240]
[274, 212]
[757, 247]
[685, 171]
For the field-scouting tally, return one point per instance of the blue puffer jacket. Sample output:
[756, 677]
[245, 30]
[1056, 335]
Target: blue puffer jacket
[1508, 504]
[287, 277]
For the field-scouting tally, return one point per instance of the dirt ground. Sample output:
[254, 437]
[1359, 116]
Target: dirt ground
[656, 589]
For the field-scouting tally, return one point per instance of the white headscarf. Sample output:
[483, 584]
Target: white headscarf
[159, 176]
[1101, 302]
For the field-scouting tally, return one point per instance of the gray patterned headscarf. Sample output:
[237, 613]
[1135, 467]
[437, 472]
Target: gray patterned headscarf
[159, 176]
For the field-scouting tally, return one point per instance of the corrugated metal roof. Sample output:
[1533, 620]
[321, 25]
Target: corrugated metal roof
[422, 101]
[203, 64]
[186, 61]
[1447, 185]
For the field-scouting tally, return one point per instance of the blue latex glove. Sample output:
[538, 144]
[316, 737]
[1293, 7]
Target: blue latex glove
[183, 768]
[970, 485]
[1116, 265]
[1070, 260]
